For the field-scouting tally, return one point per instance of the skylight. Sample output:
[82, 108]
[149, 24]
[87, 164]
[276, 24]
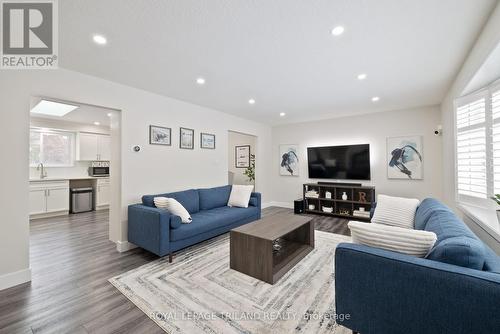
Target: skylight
[52, 108]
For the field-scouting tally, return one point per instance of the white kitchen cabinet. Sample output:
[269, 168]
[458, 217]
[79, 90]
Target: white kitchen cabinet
[87, 146]
[104, 147]
[49, 197]
[103, 193]
[57, 199]
[38, 201]
[93, 147]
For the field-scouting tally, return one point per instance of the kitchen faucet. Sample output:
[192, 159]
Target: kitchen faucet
[43, 172]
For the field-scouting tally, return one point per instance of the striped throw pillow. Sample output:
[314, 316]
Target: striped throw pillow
[402, 240]
[174, 208]
[395, 211]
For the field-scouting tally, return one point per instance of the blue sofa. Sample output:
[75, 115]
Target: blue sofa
[162, 233]
[455, 289]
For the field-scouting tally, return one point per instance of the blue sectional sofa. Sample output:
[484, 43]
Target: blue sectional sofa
[162, 233]
[454, 290]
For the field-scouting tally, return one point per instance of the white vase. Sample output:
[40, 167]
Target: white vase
[344, 196]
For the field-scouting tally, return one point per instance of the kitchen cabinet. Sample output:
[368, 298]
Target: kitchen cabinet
[49, 197]
[38, 201]
[103, 193]
[93, 147]
[104, 147]
[57, 199]
[87, 148]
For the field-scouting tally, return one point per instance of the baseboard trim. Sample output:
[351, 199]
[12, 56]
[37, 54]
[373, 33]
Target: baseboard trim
[279, 204]
[50, 214]
[124, 246]
[15, 278]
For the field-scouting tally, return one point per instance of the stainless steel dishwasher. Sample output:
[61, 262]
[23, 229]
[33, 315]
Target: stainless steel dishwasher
[82, 199]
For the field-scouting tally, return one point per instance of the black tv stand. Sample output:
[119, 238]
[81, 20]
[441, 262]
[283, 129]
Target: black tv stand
[328, 196]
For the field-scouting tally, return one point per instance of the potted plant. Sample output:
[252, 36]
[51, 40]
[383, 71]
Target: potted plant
[496, 198]
[250, 171]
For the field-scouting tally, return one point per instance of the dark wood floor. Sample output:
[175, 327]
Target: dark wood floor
[71, 261]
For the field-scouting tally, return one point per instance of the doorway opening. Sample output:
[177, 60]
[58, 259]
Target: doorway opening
[74, 164]
[242, 153]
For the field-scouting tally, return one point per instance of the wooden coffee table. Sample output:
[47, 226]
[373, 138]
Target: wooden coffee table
[252, 251]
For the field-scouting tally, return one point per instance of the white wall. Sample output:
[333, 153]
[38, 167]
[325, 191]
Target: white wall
[69, 126]
[239, 139]
[488, 40]
[80, 168]
[154, 169]
[370, 129]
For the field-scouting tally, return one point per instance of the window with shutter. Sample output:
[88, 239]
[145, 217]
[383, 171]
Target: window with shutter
[477, 131]
[495, 112]
[471, 149]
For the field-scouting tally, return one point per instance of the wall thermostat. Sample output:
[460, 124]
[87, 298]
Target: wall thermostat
[136, 148]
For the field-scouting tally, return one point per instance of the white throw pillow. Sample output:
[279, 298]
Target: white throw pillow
[240, 195]
[395, 211]
[402, 240]
[174, 208]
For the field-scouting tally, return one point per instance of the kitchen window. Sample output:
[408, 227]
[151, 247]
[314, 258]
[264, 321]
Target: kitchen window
[53, 148]
[477, 128]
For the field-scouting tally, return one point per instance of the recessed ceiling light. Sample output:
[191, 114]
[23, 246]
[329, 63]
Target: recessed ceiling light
[100, 39]
[337, 31]
[375, 99]
[362, 76]
[251, 101]
[282, 114]
[97, 123]
[52, 108]
[110, 114]
[200, 81]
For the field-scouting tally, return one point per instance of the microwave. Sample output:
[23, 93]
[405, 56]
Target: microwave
[99, 168]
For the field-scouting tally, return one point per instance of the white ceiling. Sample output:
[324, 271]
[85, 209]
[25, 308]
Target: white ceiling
[279, 52]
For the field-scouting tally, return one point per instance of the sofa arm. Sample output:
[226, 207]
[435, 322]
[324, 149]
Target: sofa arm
[387, 292]
[256, 199]
[149, 228]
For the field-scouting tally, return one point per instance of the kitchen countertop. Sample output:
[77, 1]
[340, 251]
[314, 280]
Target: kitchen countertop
[48, 179]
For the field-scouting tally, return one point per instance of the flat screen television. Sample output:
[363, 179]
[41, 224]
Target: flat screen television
[348, 162]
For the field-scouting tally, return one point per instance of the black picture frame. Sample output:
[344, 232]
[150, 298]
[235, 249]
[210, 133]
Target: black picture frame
[151, 142]
[241, 164]
[202, 134]
[191, 147]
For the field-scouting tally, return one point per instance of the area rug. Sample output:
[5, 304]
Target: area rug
[199, 293]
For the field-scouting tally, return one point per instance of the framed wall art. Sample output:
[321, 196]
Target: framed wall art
[289, 160]
[405, 158]
[207, 141]
[159, 135]
[186, 138]
[242, 156]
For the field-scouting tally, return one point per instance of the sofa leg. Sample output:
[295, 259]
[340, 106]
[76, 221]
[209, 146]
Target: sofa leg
[354, 332]
[170, 257]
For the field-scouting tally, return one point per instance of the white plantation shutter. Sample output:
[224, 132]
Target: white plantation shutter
[495, 112]
[472, 149]
[471, 114]
[478, 146]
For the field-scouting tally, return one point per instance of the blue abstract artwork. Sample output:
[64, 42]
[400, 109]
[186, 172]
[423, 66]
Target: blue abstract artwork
[405, 158]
